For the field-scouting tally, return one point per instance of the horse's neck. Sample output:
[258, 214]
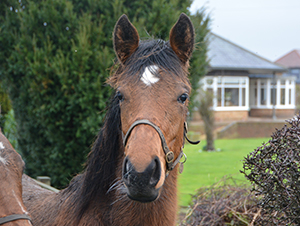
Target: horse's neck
[162, 211]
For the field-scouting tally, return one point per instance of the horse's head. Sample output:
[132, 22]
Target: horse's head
[153, 90]
[11, 170]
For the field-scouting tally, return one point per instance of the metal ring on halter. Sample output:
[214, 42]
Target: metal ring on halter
[185, 158]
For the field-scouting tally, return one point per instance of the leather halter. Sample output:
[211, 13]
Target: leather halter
[14, 217]
[171, 163]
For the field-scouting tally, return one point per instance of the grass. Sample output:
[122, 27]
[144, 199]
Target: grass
[206, 168]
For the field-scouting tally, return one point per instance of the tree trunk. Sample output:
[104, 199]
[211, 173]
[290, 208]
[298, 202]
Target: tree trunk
[207, 116]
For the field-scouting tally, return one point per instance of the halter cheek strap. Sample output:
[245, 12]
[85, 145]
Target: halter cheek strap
[171, 163]
[14, 217]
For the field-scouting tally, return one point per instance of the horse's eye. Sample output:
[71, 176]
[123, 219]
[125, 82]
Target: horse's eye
[182, 98]
[119, 96]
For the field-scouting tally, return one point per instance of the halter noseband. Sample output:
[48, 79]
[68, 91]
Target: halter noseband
[14, 217]
[169, 154]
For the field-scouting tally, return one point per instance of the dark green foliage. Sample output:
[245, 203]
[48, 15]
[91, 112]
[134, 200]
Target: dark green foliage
[56, 77]
[274, 171]
[5, 105]
[54, 63]
[10, 129]
[56, 80]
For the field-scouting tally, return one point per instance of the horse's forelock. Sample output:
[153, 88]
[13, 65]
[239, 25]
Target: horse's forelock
[149, 53]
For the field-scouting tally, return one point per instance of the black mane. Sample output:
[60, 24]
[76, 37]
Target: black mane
[101, 164]
[103, 159]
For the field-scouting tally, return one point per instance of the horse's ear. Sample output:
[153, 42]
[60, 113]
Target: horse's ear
[182, 38]
[126, 39]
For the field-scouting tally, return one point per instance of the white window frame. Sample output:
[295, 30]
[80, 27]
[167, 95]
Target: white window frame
[215, 85]
[289, 84]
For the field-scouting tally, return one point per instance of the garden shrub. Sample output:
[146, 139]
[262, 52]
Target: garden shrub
[274, 171]
[224, 203]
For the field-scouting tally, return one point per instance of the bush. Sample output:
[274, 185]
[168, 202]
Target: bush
[55, 77]
[224, 203]
[274, 171]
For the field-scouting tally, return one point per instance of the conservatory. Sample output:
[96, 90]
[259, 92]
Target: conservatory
[244, 84]
[237, 97]
[267, 94]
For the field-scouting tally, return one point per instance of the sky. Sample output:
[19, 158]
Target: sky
[268, 28]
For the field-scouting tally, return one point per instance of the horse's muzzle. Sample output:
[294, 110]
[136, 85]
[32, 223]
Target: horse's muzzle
[141, 185]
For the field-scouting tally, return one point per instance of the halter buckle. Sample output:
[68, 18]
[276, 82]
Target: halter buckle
[170, 157]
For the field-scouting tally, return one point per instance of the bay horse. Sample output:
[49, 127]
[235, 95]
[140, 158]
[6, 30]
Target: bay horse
[12, 210]
[130, 177]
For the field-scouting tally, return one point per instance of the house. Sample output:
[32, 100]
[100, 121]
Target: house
[245, 84]
[291, 61]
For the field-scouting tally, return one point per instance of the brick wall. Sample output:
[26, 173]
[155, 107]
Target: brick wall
[281, 113]
[231, 115]
[249, 129]
[221, 116]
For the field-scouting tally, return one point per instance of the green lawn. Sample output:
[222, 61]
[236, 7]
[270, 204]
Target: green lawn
[206, 168]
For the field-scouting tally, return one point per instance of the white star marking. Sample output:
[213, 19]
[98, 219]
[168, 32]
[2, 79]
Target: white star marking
[148, 76]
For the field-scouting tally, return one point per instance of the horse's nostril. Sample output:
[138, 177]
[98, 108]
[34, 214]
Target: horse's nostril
[156, 172]
[140, 186]
[149, 177]
[127, 168]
